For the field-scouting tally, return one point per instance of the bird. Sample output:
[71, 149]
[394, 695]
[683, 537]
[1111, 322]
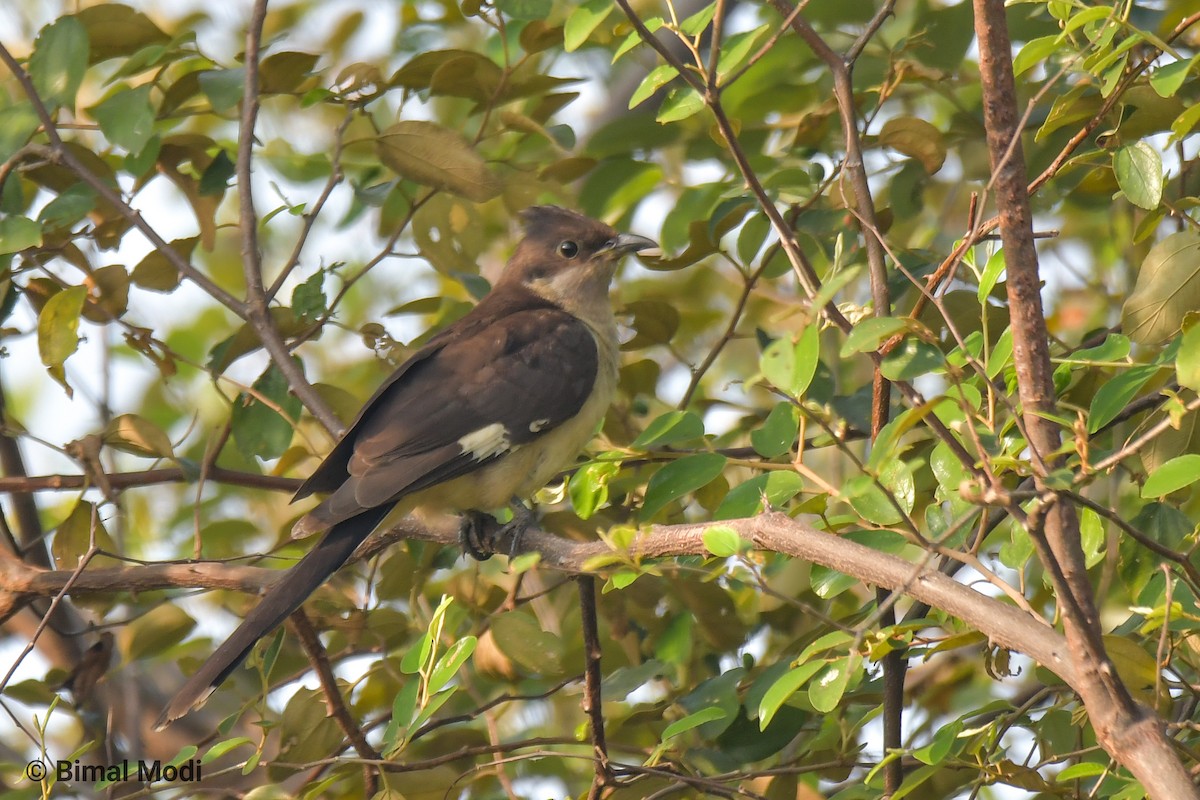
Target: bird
[483, 415]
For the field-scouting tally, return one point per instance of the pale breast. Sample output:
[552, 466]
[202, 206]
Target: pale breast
[529, 467]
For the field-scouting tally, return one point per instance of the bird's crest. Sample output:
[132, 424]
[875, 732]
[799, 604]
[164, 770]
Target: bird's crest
[548, 222]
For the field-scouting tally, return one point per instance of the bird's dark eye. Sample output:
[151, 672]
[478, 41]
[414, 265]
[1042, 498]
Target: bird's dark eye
[568, 249]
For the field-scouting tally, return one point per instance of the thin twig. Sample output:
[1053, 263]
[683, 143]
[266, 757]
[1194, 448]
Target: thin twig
[591, 683]
[333, 696]
[58, 152]
[258, 312]
[310, 216]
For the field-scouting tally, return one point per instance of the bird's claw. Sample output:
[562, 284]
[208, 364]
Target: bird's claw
[476, 535]
[479, 533]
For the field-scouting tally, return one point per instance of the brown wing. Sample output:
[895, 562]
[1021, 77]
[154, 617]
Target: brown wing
[501, 378]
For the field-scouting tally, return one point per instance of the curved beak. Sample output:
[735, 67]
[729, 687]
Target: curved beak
[632, 243]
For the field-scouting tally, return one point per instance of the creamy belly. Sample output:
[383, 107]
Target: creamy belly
[529, 467]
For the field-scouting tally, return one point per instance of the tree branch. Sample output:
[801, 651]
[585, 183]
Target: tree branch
[258, 312]
[58, 152]
[1130, 732]
[1003, 624]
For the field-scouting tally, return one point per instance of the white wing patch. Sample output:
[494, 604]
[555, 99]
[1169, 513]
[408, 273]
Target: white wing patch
[537, 425]
[486, 442]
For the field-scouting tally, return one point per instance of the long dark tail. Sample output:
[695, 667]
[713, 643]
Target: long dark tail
[284, 597]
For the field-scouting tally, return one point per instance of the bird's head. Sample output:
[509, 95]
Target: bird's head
[565, 255]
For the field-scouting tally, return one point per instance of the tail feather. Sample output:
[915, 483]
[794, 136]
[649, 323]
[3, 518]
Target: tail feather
[284, 597]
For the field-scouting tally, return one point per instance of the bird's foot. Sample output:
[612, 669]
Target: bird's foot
[523, 519]
[479, 533]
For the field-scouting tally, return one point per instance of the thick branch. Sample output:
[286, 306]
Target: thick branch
[1003, 624]
[1131, 733]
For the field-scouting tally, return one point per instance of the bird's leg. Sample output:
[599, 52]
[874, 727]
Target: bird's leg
[476, 534]
[479, 532]
[523, 519]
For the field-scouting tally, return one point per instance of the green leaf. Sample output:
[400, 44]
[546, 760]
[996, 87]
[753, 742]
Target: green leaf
[1177, 473]
[18, 233]
[869, 334]
[404, 709]
[126, 118]
[258, 430]
[697, 22]
[635, 38]
[1139, 173]
[945, 742]
[308, 299]
[1033, 53]
[1091, 537]
[783, 688]
[778, 431]
[223, 87]
[655, 80]
[912, 359]
[693, 720]
[449, 663]
[156, 273]
[75, 535]
[221, 748]
[584, 19]
[678, 478]
[58, 331]
[117, 30]
[1115, 394]
[17, 124]
[161, 627]
[59, 61]
[722, 541]
[947, 469]
[1086, 769]
[669, 428]
[137, 435]
[1167, 80]
[991, 273]
[789, 366]
[525, 9]
[737, 48]
[588, 487]
[1184, 123]
[437, 157]
[1168, 286]
[622, 578]
[1187, 360]
[872, 502]
[215, 179]
[285, 72]
[826, 690]
[916, 138]
[746, 499]
[1115, 347]
[71, 205]
[519, 637]
[680, 103]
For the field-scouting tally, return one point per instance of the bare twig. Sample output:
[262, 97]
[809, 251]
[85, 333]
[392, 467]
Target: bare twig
[333, 696]
[591, 680]
[258, 312]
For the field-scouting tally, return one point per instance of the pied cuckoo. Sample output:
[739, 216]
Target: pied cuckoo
[489, 410]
